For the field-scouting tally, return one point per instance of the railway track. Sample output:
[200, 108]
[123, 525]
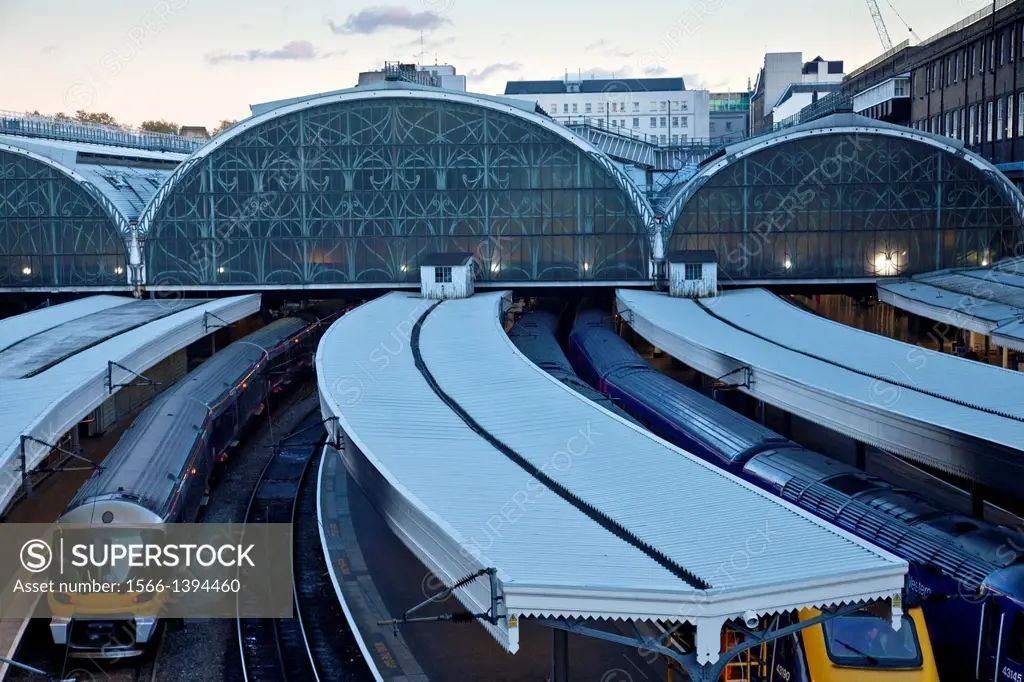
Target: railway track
[310, 645]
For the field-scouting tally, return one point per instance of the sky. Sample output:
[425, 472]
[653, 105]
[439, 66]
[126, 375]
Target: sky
[196, 62]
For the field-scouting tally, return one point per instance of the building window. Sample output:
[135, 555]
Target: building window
[654, 121]
[988, 122]
[636, 122]
[600, 107]
[950, 73]
[992, 54]
[664, 139]
[956, 67]
[1009, 118]
[675, 139]
[636, 107]
[574, 109]
[661, 106]
[664, 122]
[654, 106]
[1013, 42]
[587, 108]
[963, 124]
[1002, 49]
[443, 275]
[964, 73]
[622, 123]
[565, 108]
[728, 124]
[974, 59]
[553, 109]
[685, 107]
[947, 129]
[600, 123]
[1020, 114]
[971, 126]
[675, 121]
[693, 272]
[955, 132]
[615, 106]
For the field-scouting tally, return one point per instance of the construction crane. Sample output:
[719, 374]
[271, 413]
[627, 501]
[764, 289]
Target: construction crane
[883, 32]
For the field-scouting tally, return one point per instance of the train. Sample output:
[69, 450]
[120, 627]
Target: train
[873, 649]
[163, 467]
[966, 575]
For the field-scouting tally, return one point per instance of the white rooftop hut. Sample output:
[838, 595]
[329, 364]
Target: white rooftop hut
[693, 274]
[447, 275]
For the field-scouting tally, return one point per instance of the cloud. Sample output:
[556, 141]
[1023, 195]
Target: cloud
[609, 50]
[492, 69]
[655, 71]
[48, 49]
[296, 50]
[374, 19]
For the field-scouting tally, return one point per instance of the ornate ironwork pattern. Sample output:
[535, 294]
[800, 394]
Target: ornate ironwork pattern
[358, 191]
[838, 205]
[53, 232]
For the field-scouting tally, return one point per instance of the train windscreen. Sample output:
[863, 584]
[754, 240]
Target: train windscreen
[862, 640]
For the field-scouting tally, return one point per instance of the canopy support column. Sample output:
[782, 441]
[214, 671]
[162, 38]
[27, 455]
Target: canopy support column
[559, 656]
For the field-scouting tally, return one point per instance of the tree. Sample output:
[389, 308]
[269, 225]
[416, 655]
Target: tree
[61, 114]
[224, 124]
[95, 117]
[34, 112]
[160, 126]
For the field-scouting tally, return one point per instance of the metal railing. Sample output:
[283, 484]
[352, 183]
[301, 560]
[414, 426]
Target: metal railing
[30, 125]
[833, 103]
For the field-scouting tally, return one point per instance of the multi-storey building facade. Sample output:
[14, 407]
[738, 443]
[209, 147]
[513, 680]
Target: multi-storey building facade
[729, 117]
[966, 82]
[786, 84]
[660, 110]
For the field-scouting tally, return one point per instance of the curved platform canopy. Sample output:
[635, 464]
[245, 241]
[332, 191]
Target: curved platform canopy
[57, 367]
[67, 211]
[985, 300]
[581, 513]
[351, 188]
[960, 416]
[844, 197]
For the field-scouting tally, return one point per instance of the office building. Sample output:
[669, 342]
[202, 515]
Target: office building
[659, 110]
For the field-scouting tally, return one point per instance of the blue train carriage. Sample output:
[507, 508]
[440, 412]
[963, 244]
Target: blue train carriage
[161, 471]
[728, 439]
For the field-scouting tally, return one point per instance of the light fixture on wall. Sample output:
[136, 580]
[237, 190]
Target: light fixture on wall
[788, 264]
[26, 271]
[495, 267]
[888, 264]
[404, 267]
[118, 270]
[221, 269]
[586, 267]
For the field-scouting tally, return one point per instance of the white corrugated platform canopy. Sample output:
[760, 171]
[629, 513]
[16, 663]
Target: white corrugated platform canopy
[958, 415]
[47, 405]
[632, 529]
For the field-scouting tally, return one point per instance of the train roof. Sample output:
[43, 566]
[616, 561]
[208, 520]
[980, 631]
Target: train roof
[731, 434]
[148, 462]
[534, 335]
[899, 520]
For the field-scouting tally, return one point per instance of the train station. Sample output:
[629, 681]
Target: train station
[528, 393]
